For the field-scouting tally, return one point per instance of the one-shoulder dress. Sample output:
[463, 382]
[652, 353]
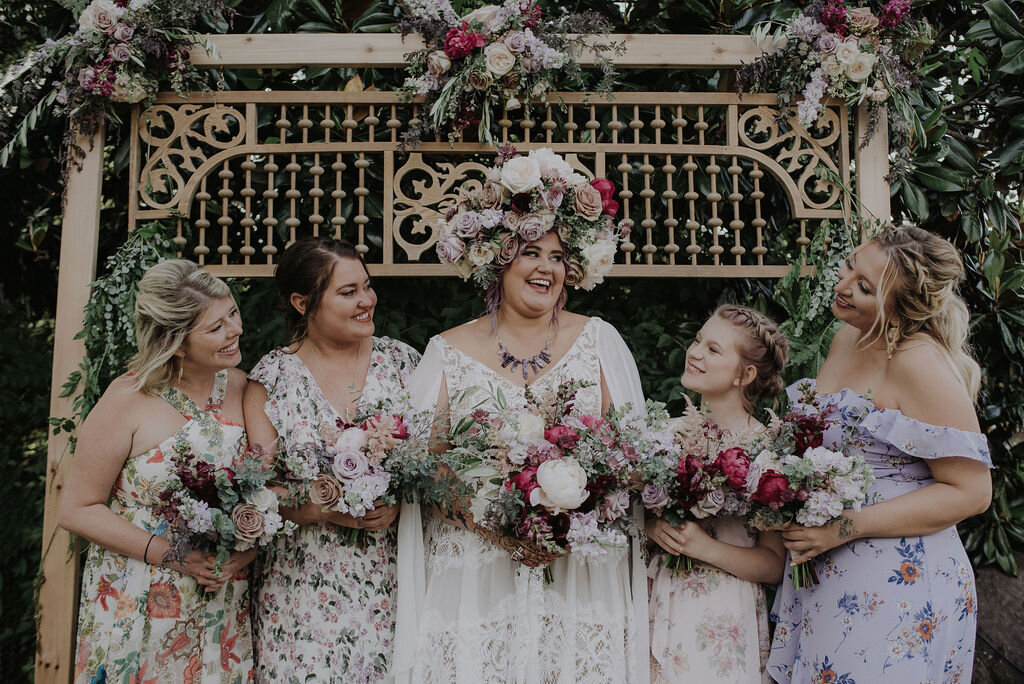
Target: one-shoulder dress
[886, 609]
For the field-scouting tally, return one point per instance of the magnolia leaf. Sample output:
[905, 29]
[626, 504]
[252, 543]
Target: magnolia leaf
[1013, 58]
[940, 179]
[1004, 20]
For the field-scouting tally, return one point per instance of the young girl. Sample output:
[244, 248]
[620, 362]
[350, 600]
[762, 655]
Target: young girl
[711, 623]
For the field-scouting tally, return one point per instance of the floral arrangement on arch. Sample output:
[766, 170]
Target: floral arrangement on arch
[494, 57]
[522, 198]
[829, 49]
[219, 509]
[122, 52]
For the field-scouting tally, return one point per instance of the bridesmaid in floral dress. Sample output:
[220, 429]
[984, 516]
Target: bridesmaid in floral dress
[897, 600]
[142, 618]
[325, 609]
[711, 624]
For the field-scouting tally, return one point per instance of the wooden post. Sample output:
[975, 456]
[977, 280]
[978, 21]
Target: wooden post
[58, 594]
[872, 164]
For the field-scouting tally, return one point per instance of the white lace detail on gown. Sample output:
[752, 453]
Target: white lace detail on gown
[489, 619]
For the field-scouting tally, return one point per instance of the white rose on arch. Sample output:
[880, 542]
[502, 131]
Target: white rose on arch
[561, 485]
[498, 60]
[486, 15]
[100, 15]
[520, 174]
[859, 70]
[847, 51]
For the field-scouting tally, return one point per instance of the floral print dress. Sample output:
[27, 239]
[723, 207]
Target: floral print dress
[886, 610]
[146, 623]
[324, 610]
[706, 624]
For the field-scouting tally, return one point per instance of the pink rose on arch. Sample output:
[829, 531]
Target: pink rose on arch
[122, 32]
[120, 52]
[562, 437]
[734, 464]
[460, 42]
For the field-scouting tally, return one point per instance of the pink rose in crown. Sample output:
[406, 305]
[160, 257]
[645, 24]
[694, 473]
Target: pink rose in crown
[460, 42]
[734, 464]
[562, 437]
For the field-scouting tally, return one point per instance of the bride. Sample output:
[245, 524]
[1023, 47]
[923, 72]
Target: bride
[479, 611]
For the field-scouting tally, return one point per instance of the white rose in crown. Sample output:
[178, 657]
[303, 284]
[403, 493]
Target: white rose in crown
[600, 259]
[486, 15]
[520, 174]
[531, 427]
[265, 500]
[859, 69]
[498, 59]
[562, 485]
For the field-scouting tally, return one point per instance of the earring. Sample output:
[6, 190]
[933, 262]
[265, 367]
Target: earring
[181, 368]
[891, 338]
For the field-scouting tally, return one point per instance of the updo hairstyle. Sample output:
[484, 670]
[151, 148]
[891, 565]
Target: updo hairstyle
[306, 268]
[172, 297]
[766, 350]
[917, 294]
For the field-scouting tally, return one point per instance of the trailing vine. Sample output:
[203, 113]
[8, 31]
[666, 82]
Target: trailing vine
[108, 327]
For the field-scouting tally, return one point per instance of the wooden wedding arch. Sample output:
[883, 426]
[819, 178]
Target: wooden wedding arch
[238, 175]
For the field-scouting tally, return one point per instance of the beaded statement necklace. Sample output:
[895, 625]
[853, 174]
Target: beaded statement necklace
[534, 363]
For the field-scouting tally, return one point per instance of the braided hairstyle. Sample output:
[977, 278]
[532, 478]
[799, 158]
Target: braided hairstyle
[917, 294]
[766, 350]
[306, 268]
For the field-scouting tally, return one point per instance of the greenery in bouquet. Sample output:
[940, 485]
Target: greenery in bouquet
[852, 53]
[522, 198]
[793, 478]
[495, 58]
[691, 473]
[121, 53]
[217, 508]
[544, 472]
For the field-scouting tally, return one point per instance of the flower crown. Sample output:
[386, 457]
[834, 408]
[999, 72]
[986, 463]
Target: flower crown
[523, 198]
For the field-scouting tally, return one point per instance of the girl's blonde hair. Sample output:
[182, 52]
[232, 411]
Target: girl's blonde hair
[917, 294]
[172, 296]
[766, 350]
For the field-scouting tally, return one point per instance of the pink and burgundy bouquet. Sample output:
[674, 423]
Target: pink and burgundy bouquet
[522, 198]
[217, 508]
[547, 473]
[830, 49]
[689, 474]
[495, 58]
[794, 479]
[364, 464]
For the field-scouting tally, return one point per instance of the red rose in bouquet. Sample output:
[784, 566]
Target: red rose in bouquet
[562, 437]
[773, 490]
[734, 464]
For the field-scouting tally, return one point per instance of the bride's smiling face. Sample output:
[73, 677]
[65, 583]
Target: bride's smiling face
[533, 282]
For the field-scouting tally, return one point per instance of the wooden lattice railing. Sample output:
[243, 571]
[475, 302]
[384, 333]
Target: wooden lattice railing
[699, 174]
[695, 172]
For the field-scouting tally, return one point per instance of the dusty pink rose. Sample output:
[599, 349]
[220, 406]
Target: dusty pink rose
[587, 203]
[249, 523]
[122, 32]
[515, 41]
[861, 19]
[532, 227]
[325, 490]
[120, 52]
[468, 224]
[350, 465]
[450, 248]
[491, 195]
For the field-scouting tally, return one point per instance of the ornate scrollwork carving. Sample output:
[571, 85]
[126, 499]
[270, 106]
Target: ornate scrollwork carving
[432, 197]
[802, 150]
[183, 137]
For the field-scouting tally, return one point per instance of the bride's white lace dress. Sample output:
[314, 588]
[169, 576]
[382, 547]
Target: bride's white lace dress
[479, 615]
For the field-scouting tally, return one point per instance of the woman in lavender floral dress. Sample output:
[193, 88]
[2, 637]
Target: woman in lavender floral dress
[896, 600]
[324, 608]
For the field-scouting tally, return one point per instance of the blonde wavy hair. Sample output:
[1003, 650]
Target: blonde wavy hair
[917, 293]
[172, 297]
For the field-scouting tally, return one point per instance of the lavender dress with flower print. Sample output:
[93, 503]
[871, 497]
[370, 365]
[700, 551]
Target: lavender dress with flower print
[887, 609]
[324, 610]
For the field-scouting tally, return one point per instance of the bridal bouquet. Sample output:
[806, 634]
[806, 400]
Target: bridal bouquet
[367, 463]
[793, 478]
[546, 473]
[497, 56]
[522, 198]
[219, 508]
[846, 52]
[689, 475]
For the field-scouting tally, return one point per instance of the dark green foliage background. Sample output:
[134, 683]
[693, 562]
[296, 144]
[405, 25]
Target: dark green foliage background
[963, 180]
